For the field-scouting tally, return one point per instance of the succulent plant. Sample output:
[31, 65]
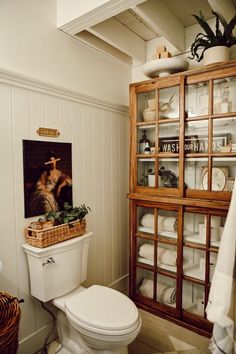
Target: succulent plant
[210, 38]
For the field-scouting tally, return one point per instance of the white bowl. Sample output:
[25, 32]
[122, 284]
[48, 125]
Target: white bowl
[149, 115]
[164, 67]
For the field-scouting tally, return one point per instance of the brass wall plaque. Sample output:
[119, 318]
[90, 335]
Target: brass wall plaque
[48, 132]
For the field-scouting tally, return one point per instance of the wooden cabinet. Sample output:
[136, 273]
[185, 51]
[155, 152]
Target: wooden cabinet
[182, 170]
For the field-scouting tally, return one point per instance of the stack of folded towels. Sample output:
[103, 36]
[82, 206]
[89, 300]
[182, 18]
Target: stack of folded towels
[165, 223]
[165, 293]
[165, 256]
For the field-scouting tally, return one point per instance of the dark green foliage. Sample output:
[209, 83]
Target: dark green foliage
[210, 38]
[68, 214]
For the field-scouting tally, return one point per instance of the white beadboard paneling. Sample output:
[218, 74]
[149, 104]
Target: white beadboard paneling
[21, 124]
[8, 278]
[99, 142]
[107, 200]
[78, 153]
[115, 171]
[89, 172]
[37, 113]
[65, 122]
[51, 112]
[98, 177]
[124, 188]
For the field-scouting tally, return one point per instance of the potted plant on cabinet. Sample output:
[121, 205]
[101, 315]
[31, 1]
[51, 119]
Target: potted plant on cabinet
[214, 45]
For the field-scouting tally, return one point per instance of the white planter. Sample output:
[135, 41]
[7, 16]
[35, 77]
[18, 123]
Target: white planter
[216, 54]
[151, 180]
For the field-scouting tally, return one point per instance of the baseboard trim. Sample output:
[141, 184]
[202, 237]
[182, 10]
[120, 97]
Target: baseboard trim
[35, 342]
[120, 284]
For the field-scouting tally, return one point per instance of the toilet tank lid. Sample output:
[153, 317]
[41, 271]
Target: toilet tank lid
[103, 308]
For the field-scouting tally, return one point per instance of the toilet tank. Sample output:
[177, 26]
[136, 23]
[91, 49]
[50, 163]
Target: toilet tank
[58, 269]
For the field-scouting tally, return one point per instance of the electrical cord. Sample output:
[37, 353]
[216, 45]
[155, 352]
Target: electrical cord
[44, 349]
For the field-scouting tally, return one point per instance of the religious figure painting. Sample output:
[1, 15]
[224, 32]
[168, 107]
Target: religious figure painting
[47, 176]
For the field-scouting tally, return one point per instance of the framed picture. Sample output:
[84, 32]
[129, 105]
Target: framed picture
[47, 176]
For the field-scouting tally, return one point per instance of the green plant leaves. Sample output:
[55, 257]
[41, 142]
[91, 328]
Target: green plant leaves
[211, 39]
[68, 214]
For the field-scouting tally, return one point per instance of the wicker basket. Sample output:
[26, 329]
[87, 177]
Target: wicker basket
[9, 323]
[46, 237]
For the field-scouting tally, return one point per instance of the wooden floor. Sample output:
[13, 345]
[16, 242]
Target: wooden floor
[159, 336]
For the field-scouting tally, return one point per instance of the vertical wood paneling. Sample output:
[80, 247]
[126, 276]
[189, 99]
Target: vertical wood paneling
[98, 177]
[8, 279]
[115, 147]
[51, 112]
[107, 200]
[37, 113]
[100, 160]
[124, 187]
[21, 116]
[77, 153]
[89, 172]
[65, 122]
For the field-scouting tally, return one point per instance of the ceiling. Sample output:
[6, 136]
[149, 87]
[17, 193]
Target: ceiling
[123, 28]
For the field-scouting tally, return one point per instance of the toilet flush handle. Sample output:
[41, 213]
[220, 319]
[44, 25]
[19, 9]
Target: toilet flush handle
[50, 260]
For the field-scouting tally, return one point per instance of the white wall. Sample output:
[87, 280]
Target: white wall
[85, 100]
[32, 45]
[70, 9]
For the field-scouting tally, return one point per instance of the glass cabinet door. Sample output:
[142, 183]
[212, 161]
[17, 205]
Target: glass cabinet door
[156, 253]
[202, 234]
[157, 139]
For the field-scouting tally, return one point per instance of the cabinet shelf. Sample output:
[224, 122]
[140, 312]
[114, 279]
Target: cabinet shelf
[180, 191]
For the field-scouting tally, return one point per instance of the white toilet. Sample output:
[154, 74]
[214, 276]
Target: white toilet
[93, 320]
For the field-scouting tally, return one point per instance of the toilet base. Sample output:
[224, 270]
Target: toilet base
[72, 343]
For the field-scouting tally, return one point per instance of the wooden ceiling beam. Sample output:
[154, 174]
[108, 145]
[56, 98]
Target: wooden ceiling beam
[157, 15]
[120, 37]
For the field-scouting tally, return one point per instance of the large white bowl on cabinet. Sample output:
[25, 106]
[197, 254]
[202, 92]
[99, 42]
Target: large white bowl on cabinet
[164, 66]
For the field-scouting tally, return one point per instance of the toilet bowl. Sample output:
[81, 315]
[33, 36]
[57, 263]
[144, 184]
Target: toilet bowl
[96, 320]
[101, 319]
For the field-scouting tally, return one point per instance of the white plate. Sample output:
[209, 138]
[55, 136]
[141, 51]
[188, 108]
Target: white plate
[164, 67]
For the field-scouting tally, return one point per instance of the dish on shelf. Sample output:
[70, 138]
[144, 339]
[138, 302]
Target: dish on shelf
[149, 115]
[164, 66]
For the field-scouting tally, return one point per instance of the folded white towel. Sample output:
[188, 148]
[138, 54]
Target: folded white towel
[164, 255]
[165, 223]
[165, 293]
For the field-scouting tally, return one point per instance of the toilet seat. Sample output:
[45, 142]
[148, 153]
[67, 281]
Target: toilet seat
[102, 310]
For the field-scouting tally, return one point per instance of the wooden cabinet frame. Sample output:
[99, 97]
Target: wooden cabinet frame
[182, 200]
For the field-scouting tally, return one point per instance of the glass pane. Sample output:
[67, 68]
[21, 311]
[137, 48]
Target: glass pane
[197, 98]
[194, 231]
[146, 172]
[168, 173]
[224, 91]
[145, 220]
[194, 169]
[169, 102]
[166, 290]
[145, 251]
[146, 107]
[224, 135]
[223, 172]
[144, 282]
[167, 224]
[196, 137]
[194, 263]
[167, 257]
[193, 298]
[169, 138]
[146, 139]
[217, 227]
[213, 260]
